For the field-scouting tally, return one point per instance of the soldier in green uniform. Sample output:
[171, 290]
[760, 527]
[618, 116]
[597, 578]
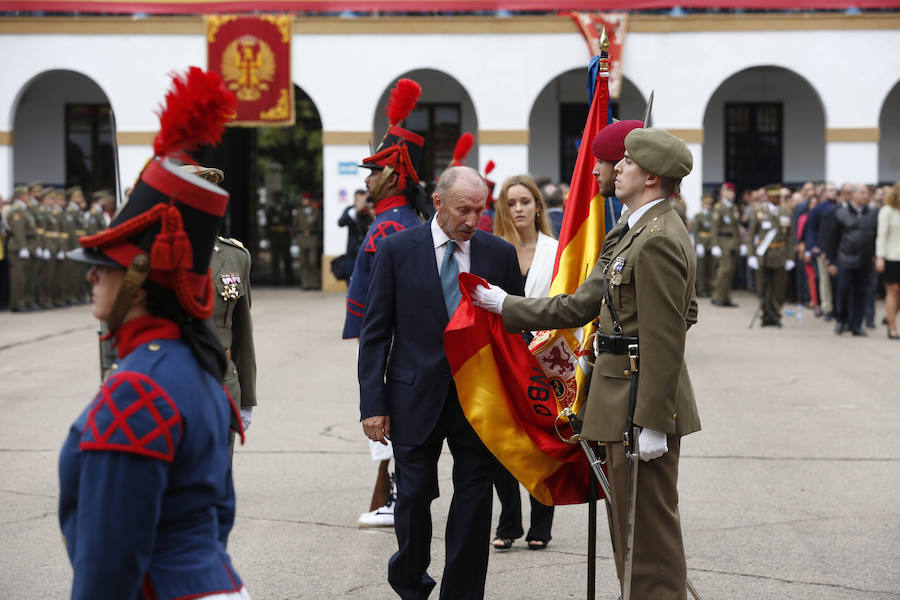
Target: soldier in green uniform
[645, 297]
[231, 320]
[308, 231]
[21, 245]
[37, 260]
[71, 274]
[47, 283]
[772, 238]
[702, 247]
[725, 238]
[278, 230]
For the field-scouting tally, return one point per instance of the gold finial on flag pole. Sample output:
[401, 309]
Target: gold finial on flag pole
[604, 40]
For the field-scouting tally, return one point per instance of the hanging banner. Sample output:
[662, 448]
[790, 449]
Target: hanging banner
[591, 25]
[253, 56]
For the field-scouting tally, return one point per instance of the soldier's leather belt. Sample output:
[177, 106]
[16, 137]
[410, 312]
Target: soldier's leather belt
[278, 228]
[776, 245]
[30, 237]
[726, 234]
[80, 232]
[705, 234]
[614, 344]
[51, 234]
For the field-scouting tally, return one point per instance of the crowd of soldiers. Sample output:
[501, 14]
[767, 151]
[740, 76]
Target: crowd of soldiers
[300, 226]
[783, 244]
[39, 225]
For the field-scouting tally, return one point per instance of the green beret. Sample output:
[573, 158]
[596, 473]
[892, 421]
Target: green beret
[659, 152]
[19, 190]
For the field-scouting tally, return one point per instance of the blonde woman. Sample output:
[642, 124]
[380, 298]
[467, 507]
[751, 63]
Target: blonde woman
[887, 256]
[520, 218]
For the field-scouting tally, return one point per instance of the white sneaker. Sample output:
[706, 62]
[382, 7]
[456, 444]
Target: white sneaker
[380, 517]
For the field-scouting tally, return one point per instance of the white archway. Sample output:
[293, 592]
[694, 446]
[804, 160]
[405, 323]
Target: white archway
[889, 142]
[45, 110]
[802, 124]
[545, 120]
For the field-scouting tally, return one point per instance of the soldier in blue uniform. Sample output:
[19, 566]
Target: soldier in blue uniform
[393, 186]
[146, 496]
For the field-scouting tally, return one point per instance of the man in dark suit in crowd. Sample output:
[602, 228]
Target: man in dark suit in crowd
[407, 391]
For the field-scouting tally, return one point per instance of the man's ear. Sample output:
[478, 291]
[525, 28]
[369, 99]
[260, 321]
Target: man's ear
[652, 179]
[436, 201]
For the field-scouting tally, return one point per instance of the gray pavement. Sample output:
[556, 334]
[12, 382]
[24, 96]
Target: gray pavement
[790, 491]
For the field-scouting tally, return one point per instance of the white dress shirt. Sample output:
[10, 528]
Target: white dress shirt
[462, 254]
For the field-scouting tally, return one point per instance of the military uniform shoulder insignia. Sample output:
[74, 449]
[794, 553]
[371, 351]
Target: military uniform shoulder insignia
[133, 414]
[656, 225]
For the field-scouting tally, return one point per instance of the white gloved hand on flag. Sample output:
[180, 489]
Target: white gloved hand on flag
[753, 262]
[789, 265]
[701, 251]
[716, 251]
[489, 298]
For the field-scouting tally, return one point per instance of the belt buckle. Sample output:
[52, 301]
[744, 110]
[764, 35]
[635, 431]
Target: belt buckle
[633, 357]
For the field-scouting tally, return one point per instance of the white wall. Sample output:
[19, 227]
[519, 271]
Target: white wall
[503, 76]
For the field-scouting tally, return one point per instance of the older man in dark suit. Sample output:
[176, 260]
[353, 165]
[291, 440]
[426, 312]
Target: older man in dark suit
[407, 391]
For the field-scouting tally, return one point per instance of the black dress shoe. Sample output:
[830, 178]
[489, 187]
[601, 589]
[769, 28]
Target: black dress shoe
[870, 324]
[829, 316]
[728, 304]
[859, 333]
[840, 328]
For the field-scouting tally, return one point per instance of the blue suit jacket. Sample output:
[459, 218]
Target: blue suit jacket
[403, 371]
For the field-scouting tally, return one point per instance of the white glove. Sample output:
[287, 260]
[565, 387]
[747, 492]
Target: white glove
[652, 444]
[60, 255]
[743, 249]
[701, 251]
[753, 262]
[789, 265]
[246, 417]
[24, 253]
[716, 251]
[489, 298]
[46, 255]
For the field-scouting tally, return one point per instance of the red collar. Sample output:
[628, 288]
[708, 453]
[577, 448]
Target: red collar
[389, 203]
[141, 330]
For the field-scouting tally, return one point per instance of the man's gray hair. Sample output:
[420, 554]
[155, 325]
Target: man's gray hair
[452, 174]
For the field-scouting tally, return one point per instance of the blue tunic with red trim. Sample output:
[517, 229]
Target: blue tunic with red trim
[146, 497]
[391, 215]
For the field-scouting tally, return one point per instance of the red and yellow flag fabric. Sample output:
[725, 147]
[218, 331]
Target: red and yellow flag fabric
[253, 56]
[512, 394]
[510, 403]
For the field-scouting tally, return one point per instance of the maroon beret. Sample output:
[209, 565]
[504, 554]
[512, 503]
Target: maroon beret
[609, 143]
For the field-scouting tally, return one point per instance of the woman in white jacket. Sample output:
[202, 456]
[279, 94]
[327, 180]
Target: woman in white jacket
[520, 218]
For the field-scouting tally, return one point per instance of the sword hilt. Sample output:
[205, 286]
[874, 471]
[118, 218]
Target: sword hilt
[572, 420]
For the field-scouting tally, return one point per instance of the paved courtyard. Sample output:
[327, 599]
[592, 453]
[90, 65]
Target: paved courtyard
[790, 491]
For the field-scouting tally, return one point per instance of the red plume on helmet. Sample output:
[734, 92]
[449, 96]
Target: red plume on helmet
[463, 147]
[402, 101]
[490, 183]
[195, 113]
[400, 148]
[172, 215]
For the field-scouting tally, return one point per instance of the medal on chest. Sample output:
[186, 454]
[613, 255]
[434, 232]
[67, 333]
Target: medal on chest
[230, 283]
[617, 266]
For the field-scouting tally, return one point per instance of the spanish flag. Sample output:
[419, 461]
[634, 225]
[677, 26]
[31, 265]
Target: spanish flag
[512, 394]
